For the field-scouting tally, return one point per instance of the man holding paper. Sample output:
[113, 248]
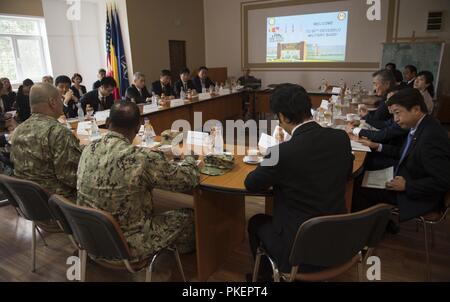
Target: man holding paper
[422, 175]
[308, 180]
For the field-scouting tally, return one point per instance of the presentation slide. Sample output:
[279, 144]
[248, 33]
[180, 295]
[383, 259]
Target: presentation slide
[307, 38]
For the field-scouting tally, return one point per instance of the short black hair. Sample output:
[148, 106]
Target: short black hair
[408, 98]
[101, 70]
[125, 115]
[429, 79]
[411, 68]
[77, 75]
[27, 82]
[292, 101]
[398, 75]
[108, 82]
[393, 65]
[203, 68]
[62, 80]
[165, 73]
[185, 70]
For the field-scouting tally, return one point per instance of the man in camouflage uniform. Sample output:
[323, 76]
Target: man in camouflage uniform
[44, 150]
[117, 177]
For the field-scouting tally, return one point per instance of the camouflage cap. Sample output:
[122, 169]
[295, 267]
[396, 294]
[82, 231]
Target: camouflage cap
[216, 165]
[168, 136]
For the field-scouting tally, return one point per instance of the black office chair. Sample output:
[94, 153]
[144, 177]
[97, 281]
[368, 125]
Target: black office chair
[335, 242]
[428, 221]
[31, 202]
[98, 234]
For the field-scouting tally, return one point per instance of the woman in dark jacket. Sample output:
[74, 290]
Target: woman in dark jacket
[23, 101]
[8, 95]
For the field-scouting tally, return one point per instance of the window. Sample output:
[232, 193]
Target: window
[23, 49]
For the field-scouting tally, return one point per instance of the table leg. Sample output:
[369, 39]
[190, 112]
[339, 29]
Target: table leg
[349, 195]
[269, 205]
[219, 226]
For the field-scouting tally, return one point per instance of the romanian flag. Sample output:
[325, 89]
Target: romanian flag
[116, 60]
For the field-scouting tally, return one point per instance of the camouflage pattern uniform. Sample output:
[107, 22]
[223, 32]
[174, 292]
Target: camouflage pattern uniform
[117, 177]
[46, 152]
[217, 165]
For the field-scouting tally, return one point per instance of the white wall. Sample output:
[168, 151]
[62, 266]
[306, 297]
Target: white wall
[223, 42]
[79, 46]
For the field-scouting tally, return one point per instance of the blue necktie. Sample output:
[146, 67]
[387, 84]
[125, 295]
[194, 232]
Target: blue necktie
[405, 151]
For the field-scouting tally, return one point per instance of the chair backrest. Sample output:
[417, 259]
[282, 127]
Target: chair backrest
[96, 232]
[29, 197]
[447, 200]
[58, 214]
[334, 240]
[8, 195]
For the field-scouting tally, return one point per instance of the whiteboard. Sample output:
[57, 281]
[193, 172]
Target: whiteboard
[423, 55]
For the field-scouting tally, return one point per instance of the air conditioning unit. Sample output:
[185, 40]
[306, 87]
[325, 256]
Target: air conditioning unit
[435, 21]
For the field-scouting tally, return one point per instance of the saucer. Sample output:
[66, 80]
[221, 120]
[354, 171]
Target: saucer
[252, 162]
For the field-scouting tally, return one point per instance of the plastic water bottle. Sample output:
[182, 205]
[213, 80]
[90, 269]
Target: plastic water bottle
[154, 99]
[80, 113]
[147, 138]
[182, 94]
[95, 132]
[218, 139]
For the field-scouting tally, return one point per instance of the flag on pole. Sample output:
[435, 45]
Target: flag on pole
[116, 60]
[121, 58]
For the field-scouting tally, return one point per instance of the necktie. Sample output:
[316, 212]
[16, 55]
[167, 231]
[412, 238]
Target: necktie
[102, 104]
[409, 141]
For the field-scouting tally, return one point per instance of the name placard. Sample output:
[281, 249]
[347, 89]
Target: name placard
[150, 108]
[336, 90]
[176, 103]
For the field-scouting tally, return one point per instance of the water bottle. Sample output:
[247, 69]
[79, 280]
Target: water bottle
[323, 87]
[182, 94]
[218, 140]
[147, 138]
[80, 113]
[154, 99]
[95, 132]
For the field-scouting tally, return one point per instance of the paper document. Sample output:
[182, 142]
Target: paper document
[84, 128]
[336, 90]
[360, 147]
[378, 179]
[102, 116]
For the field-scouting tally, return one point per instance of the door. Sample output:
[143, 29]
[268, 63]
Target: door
[177, 51]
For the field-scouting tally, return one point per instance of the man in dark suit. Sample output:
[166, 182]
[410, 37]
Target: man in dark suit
[410, 75]
[308, 180]
[184, 83]
[70, 102]
[384, 83]
[163, 85]
[102, 98]
[101, 74]
[138, 92]
[202, 81]
[422, 175]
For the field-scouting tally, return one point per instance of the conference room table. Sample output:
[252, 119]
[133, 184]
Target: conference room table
[221, 107]
[259, 102]
[219, 201]
[219, 205]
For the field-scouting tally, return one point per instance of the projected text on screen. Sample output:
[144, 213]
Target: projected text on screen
[307, 38]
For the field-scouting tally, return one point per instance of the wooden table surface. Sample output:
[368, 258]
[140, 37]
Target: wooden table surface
[219, 205]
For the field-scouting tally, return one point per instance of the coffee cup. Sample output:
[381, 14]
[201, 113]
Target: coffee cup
[253, 155]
